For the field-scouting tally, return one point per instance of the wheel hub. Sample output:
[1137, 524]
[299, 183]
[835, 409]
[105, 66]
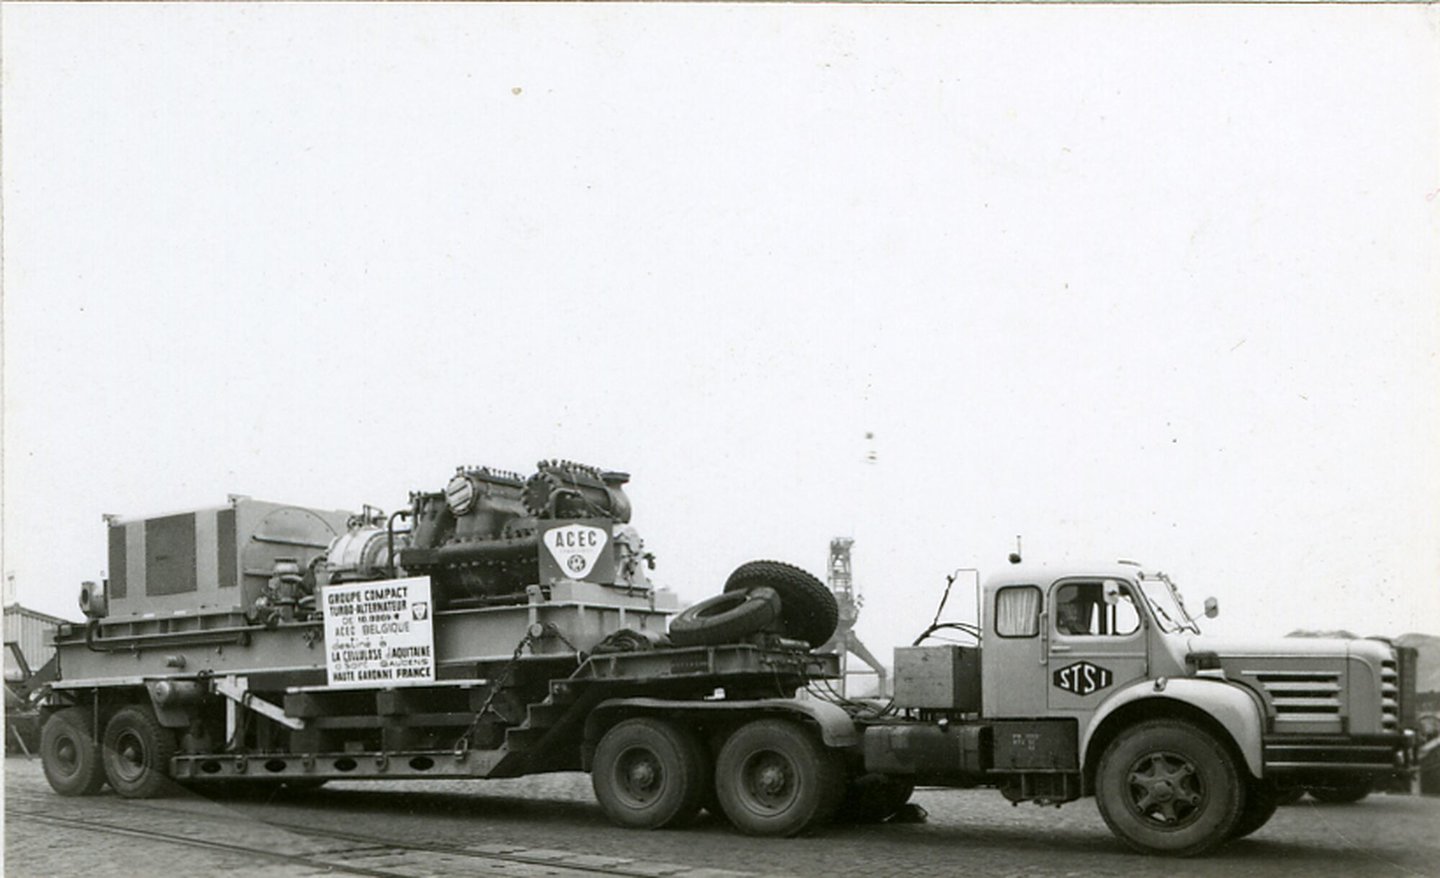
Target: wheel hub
[131, 757]
[642, 775]
[1165, 789]
[771, 780]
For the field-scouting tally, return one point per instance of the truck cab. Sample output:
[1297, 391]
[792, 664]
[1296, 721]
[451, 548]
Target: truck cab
[1061, 643]
[1095, 680]
[1078, 643]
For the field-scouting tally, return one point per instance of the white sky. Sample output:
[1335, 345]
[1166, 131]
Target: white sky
[1155, 283]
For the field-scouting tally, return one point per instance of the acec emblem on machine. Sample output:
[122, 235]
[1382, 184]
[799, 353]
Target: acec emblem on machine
[576, 547]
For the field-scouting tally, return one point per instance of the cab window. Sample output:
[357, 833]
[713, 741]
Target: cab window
[1101, 608]
[1017, 611]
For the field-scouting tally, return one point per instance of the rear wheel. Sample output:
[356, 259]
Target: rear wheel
[69, 754]
[137, 752]
[1167, 787]
[775, 778]
[649, 774]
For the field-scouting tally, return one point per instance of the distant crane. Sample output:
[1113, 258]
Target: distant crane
[845, 642]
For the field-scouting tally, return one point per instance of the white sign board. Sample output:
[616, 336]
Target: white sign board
[379, 633]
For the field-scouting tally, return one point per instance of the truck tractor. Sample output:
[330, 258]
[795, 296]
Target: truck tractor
[507, 626]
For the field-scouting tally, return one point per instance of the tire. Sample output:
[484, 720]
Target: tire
[808, 609]
[874, 798]
[726, 618]
[775, 778]
[1167, 787]
[69, 755]
[137, 752]
[1345, 792]
[649, 774]
[1262, 798]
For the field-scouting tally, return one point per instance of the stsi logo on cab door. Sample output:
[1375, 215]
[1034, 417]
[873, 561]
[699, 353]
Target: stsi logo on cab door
[1083, 678]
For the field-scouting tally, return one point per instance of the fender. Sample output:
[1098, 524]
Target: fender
[837, 729]
[1230, 705]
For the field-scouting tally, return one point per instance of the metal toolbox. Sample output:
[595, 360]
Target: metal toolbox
[938, 677]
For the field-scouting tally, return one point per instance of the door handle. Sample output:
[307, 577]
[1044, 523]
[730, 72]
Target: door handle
[1059, 647]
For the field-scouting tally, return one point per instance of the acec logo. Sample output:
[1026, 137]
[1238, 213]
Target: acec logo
[576, 547]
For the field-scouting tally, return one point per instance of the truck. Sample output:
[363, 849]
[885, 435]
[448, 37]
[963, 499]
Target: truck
[508, 625]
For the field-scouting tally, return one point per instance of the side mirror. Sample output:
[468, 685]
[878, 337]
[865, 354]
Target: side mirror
[1212, 608]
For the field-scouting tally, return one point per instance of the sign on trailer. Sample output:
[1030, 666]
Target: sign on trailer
[379, 633]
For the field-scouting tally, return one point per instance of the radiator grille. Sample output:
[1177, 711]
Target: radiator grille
[1390, 696]
[1302, 696]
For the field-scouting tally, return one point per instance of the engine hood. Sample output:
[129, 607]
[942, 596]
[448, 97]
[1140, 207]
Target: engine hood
[1311, 685]
[1317, 647]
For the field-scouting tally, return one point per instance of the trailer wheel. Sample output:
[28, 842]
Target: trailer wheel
[775, 778]
[1262, 798]
[1344, 792]
[873, 798]
[137, 752]
[808, 609]
[69, 755]
[1166, 787]
[649, 774]
[725, 618]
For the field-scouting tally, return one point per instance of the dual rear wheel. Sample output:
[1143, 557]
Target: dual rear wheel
[133, 754]
[770, 777]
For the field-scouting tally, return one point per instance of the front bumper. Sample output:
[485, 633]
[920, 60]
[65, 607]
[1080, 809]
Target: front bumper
[1319, 755]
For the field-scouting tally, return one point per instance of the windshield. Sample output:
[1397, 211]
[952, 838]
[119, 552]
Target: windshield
[1169, 608]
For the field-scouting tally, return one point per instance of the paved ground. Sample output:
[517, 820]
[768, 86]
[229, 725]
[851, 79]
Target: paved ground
[555, 819]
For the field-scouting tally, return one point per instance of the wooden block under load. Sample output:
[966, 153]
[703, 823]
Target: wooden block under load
[938, 678]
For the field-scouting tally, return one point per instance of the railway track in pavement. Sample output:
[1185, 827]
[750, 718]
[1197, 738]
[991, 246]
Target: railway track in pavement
[207, 825]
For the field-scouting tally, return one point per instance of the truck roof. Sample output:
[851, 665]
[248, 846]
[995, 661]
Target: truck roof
[1045, 573]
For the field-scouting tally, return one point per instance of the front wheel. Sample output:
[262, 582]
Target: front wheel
[774, 777]
[1167, 787]
[649, 774]
[137, 752]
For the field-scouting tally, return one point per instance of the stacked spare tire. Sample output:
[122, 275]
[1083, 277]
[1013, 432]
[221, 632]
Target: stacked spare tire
[761, 598]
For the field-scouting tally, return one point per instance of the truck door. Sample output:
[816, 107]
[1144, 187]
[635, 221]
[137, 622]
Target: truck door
[1014, 661]
[1095, 637]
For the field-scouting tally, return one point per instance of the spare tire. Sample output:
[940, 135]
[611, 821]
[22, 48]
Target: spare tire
[808, 608]
[726, 618]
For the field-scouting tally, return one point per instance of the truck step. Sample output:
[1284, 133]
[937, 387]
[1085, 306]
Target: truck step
[522, 738]
[544, 714]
